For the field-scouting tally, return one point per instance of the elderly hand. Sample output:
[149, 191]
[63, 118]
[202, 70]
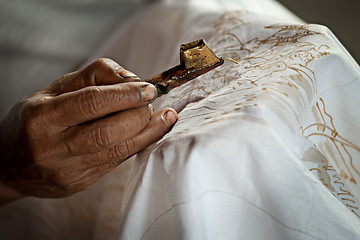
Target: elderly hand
[65, 137]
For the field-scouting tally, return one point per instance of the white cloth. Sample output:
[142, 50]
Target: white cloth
[264, 149]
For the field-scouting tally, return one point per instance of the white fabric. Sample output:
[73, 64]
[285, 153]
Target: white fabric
[263, 149]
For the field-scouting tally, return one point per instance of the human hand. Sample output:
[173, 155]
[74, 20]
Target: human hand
[65, 137]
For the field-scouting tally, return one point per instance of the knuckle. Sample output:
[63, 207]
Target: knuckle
[60, 179]
[32, 114]
[101, 63]
[122, 151]
[129, 147]
[91, 101]
[91, 71]
[70, 148]
[102, 137]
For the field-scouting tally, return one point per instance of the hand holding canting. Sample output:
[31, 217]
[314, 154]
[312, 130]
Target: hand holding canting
[65, 137]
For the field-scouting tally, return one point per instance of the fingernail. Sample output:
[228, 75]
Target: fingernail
[133, 78]
[148, 93]
[150, 109]
[170, 117]
[127, 75]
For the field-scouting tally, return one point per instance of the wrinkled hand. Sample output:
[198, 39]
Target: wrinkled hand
[65, 137]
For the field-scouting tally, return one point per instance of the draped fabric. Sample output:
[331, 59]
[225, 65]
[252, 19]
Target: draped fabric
[265, 148]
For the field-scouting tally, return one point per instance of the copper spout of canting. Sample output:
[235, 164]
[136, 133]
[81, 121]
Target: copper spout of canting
[196, 58]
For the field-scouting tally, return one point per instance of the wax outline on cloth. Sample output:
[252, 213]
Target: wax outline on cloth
[321, 125]
[257, 77]
[325, 128]
[246, 85]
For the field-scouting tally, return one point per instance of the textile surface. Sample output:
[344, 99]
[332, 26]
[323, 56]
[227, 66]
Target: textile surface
[264, 149]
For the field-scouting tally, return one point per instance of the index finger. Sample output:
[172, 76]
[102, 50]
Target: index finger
[102, 71]
[95, 102]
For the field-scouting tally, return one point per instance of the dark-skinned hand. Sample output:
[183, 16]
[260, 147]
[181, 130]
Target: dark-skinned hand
[65, 137]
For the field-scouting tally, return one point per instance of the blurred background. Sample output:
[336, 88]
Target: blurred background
[40, 40]
[342, 17]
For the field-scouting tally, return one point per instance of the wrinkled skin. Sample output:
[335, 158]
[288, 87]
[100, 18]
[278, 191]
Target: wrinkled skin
[65, 137]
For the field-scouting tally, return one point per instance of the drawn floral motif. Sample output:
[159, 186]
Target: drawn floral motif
[273, 71]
